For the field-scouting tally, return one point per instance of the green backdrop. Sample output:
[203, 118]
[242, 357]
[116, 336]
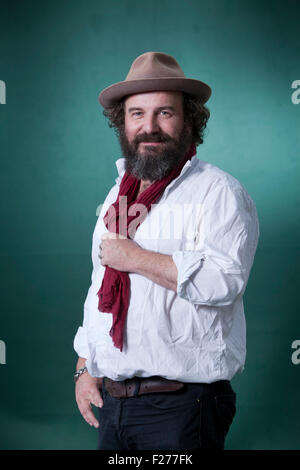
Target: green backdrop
[58, 162]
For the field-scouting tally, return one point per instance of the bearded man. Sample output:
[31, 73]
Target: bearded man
[163, 331]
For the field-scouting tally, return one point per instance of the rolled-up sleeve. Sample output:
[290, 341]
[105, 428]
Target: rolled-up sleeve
[216, 272]
[80, 343]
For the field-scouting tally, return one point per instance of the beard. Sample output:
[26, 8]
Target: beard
[154, 162]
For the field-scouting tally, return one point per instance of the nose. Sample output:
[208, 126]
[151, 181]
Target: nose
[150, 123]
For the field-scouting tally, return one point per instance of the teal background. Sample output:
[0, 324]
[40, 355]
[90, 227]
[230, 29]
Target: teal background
[58, 163]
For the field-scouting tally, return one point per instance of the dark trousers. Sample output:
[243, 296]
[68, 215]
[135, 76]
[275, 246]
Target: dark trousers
[198, 416]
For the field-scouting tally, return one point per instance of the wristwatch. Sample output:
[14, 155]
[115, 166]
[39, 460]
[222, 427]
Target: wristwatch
[79, 372]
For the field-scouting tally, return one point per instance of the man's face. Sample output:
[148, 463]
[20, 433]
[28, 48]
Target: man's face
[155, 137]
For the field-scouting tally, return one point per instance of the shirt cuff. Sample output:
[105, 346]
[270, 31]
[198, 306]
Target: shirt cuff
[81, 344]
[187, 262]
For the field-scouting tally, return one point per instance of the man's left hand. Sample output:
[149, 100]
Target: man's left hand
[118, 252]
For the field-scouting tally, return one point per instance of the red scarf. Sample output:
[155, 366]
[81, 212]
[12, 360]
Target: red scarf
[115, 289]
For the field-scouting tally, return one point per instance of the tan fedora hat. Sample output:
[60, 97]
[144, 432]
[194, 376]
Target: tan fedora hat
[153, 71]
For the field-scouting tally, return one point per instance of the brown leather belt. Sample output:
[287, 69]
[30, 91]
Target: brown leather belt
[140, 385]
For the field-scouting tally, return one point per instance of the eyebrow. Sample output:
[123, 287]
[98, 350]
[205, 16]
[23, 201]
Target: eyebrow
[171, 108]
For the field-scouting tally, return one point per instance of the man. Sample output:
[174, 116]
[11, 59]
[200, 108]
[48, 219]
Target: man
[164, 327]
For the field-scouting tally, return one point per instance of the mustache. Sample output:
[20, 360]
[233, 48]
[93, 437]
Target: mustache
[154, 137]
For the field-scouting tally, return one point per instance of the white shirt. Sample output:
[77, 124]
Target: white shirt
[208, 223]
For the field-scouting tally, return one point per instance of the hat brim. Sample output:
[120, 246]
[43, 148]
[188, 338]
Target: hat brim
[112, 94]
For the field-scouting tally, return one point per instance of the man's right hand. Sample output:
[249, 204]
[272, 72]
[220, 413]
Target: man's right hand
[87, 393]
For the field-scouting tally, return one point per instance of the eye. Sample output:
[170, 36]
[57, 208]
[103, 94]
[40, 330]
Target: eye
[165, 113]
[137, 114]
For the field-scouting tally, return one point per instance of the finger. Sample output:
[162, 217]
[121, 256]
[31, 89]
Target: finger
[87, 414]
[96, 399]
